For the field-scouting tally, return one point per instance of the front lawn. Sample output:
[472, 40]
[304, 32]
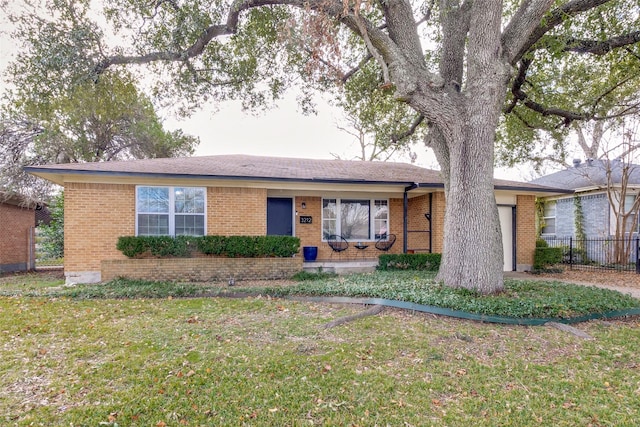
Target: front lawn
[261, 361]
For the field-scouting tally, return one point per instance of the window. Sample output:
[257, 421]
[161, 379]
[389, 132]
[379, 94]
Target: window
[632, 223]
[355, 219]
[549, 217]
[174, 211]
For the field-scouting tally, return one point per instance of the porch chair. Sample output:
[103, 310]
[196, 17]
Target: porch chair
[337, 244]
[385, 242]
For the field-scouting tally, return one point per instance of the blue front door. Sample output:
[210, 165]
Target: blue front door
[279, 216]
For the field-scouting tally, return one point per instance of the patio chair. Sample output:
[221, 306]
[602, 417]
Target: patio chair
[337, 244]
[385, 242]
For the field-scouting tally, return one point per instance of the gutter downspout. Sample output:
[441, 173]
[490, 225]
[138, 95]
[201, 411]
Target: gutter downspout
[430, 223]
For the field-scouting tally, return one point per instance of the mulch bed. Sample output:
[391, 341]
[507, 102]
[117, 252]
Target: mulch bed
[627, 279]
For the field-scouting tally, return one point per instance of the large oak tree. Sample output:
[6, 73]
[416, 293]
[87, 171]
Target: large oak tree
[452, 62]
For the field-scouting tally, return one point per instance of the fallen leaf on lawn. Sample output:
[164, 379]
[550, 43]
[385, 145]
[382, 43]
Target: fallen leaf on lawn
[273, 410]
[112, 417]
[190, 373]
[161, 424]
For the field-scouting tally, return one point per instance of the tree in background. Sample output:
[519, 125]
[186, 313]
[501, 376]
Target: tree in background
[452, 62]
[623, 195]
[382, 127]
[94, 121]
[559, 109]
[52, 235]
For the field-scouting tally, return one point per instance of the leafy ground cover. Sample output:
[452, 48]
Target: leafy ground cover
[269, 362]
[522, 298]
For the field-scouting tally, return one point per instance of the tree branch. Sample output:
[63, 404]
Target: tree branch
[594, 47]
[395, 138]
[527, 26]
[213, 31]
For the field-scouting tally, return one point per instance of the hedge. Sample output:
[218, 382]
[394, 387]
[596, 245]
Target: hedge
[229, 246]
[425, 262]
[543, 257]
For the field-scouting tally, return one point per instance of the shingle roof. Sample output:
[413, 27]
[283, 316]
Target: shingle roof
[592, 173]
[267, 168]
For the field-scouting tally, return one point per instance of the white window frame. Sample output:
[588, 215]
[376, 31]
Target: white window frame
[554, 216]
[172, 213]
[372, 220]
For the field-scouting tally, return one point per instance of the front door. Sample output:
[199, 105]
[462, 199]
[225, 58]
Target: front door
[279, 216]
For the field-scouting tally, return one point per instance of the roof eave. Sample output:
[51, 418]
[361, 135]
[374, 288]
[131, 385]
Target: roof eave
[57, 176]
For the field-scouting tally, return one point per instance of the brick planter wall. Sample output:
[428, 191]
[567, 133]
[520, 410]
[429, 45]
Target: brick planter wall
[201, 269]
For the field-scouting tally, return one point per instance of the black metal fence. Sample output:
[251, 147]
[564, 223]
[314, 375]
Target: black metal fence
[604, 254]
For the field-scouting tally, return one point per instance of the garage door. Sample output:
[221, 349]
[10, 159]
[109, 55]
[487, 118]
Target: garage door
[508, 239]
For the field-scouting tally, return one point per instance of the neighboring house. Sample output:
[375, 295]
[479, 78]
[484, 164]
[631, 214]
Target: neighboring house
[588, 182]
[250, 195]
[17, 237]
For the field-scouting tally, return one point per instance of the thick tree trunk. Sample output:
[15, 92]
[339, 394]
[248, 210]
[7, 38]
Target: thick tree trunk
[472, 249]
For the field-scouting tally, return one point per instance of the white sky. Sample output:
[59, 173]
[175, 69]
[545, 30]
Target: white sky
[281, 131]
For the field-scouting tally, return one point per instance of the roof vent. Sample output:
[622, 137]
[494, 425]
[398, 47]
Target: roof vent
[576, 162]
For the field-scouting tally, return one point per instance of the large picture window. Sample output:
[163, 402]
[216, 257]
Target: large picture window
[355, 219]
[173, 211]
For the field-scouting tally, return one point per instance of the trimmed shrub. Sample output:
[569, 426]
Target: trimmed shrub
[231, 246]
[424, 262]
[546, 256]
[211, 245]
[541, 243]
[131, 246]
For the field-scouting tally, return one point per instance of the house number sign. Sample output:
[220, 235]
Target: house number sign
[305, 219]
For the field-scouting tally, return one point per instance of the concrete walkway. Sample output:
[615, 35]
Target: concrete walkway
[634, 292]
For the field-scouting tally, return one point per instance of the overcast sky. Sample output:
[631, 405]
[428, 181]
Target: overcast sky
[281, 131]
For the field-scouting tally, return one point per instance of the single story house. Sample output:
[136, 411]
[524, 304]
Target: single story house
[251, 195]
[586, 186]
[17, 235]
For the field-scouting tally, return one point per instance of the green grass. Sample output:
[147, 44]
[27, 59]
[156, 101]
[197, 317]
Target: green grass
[268, 362]
[30, 283]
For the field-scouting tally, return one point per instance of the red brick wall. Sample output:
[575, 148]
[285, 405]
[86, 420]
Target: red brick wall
[15, 225]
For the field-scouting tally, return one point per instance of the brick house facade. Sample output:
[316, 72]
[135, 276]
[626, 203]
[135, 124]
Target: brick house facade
[17, 243]
[104, 201]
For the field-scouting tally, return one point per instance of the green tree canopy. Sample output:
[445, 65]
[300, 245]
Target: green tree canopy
[109, 119]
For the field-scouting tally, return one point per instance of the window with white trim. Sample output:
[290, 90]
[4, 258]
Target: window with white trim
[632, 222]
[173, 211]
[549, 217]
[355, 219]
